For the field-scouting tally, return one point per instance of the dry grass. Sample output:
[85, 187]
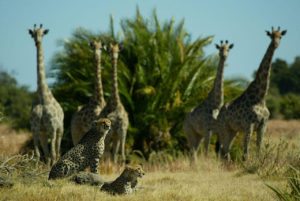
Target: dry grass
[208, 181]
[12, 142]
[287, 130]
[173, 180]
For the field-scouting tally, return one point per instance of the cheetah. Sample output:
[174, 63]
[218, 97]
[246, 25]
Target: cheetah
[88, 178]
[86, 153]
[126, 183]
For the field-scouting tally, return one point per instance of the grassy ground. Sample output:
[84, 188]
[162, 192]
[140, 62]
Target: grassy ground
[210, 179]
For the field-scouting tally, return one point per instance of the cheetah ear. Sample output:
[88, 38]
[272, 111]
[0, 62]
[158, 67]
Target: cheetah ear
[94, 123]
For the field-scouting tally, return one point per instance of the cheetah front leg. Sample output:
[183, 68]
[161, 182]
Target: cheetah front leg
[94, 165]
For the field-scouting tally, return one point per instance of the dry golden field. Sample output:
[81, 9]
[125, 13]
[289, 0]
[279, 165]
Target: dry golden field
[174, 180]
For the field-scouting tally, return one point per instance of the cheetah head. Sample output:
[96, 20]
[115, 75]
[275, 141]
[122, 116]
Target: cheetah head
[133, 172]
[103, 125]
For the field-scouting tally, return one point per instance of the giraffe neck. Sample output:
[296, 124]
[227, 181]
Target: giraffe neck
[98, 95]
[216, 95]
[258, 89]
[43, 90]
[115, 90]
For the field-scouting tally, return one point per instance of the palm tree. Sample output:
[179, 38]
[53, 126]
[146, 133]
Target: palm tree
[162, 74]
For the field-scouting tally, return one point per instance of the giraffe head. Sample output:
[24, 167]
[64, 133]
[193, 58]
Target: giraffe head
[224, 48]
[114, 50]
[37, 33]
[97, 45]
[276, 35]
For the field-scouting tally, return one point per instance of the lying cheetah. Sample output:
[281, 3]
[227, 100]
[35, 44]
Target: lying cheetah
[85, 154]
[88, 178]
[126, 183]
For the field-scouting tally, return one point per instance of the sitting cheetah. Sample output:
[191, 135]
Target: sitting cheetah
[126, 183]
[85, 154]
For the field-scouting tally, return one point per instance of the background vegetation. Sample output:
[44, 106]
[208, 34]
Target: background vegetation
[163, 74]
[15, 102]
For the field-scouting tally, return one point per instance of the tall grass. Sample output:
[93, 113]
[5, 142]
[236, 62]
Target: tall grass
[292, 193]
[274, 160]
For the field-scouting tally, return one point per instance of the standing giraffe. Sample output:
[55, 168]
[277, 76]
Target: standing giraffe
[83, 119]
[248, 113]
[115, 111]
[199, 123]
[47, 115]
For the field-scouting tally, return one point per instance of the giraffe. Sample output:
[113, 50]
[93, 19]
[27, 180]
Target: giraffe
[198, 124]
[115, 111]
[84, 117]
[248, 113]
[46, 115]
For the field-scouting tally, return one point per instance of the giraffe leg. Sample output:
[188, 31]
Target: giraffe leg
[123, 142]
[259, 136]
[44, 144]
[227, 140]
[53, 147]
[36, 145]
[247, 135]
[208, 134]
[115, 149]
[194, 143]
[58, 142]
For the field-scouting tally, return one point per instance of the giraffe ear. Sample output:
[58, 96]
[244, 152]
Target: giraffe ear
[121, 46]
[104, 47]
[46, 31]
[268, 33]
[217, 46]
[30, 32]
[91, 44]
[231, 46]
[283, 32]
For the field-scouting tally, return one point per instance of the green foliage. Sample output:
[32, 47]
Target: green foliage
[290, 106]
[162, 73]
[283, 99]
[15, 102]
